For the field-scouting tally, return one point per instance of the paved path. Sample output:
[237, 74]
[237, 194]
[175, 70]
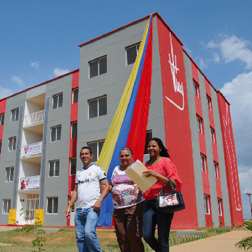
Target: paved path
[219, 243]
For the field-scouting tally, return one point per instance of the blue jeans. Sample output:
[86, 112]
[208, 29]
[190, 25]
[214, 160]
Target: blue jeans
[85, 229]
[152, 218]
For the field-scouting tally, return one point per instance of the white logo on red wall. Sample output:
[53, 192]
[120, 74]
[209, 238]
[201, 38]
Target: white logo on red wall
[178, 86]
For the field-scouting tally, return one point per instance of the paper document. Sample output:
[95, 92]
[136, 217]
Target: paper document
[135, 173]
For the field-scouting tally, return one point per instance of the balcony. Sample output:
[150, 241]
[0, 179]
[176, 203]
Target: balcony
[31, 150]
[34, 119]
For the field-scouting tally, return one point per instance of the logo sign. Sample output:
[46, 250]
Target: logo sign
[30, 182]
[32, 149]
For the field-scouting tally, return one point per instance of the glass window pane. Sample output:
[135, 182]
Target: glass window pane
[74, 129]
[51, 167]
[53, 134]
[0, 146]
[100, 146]
[93, 147]
[11, 174]
[73, 166]
[56, 168]
[17, 113]
[131, 55]
[102, 106]
[60, 100]
[75, 95]
[49, 205]
[92, 108]
[55, 205]
[58, 133]
[103, 65]
[55, 99]
[14, 143]
[93, 68]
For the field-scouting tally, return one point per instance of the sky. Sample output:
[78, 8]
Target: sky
[39, 41]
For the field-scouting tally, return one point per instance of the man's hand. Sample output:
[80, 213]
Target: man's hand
[97, 205]
[67, 212]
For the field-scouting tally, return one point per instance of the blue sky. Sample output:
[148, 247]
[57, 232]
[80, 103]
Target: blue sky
[39, 41]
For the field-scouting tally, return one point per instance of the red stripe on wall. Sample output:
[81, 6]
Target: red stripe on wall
[177, 124]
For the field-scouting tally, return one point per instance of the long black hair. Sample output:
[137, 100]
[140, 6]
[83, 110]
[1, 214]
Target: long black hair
[164, 151]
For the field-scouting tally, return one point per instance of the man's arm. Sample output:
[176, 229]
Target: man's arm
[72, 201]
[104, 193]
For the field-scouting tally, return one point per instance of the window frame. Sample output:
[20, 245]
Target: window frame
[9, 176]
[199, 124]
[71, 167]
[98, 149]
[98, 60]
[14, 115]
[8, 207]
[137, 46]
[97, 99]
[203, 163]
[196, 88]
[75, 95]
[207, 209]
[213, 137]
[72, 129]
[53, 212]
[216, 170]
[12, 143]
[0, 147]
[57, 105]
[2, 119]
[53, 170]
[219, 202]
[56, 133]
[209, 103]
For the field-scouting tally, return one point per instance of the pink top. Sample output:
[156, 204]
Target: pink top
[166, 168]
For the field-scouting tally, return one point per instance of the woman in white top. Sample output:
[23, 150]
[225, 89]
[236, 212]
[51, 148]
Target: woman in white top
[128, 206]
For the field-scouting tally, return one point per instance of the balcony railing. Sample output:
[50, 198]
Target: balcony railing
[30, 150]
[34, 118]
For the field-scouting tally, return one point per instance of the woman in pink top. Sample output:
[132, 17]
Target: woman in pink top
[161, 167]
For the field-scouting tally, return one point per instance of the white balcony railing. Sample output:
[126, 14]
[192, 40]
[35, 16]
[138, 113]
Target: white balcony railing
[34, 118]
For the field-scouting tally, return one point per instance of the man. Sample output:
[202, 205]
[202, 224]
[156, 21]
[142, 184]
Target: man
[89, 197]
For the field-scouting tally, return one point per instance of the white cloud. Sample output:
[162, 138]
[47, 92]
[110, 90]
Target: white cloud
[216, 57]
[212, 44]
[202, 64]
[18, 80]
[4, 92]
[35, 64]
[59, 71]
[233, 48]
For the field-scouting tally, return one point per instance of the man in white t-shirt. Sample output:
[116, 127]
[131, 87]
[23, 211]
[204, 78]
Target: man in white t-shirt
[89, 197]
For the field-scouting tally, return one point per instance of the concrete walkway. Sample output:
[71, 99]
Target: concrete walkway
[219, 243]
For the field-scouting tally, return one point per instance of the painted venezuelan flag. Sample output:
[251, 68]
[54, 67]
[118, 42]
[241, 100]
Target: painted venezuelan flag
[128, 128]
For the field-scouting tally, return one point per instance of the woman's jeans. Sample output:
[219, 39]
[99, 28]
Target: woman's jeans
[152, 218]
[85, 229]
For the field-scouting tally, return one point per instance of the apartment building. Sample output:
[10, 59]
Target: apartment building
[43, 128]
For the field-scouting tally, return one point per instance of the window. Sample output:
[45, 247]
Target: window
[52, 205]
[98, 67]
[74, 129]
[203, 163]
[97, 107]
[199, 124]
[55, 133]
[96, 148]
[32, 203]
[72, 166]
[12, 143]
[54, 168]
[196, 88]
[75, 95]
[206, 204]
[57, 101]
[216, 170]
[212, 134]
[14, 114]
[1, 119]
[220, 206]
[131, 52]
[147, 139]
[9, 174]
[209, 102]
[0, 147]
[6, 206]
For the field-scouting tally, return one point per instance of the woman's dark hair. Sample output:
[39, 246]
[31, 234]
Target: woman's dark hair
[164, 151]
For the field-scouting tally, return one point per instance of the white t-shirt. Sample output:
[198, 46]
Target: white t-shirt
[88, 182]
